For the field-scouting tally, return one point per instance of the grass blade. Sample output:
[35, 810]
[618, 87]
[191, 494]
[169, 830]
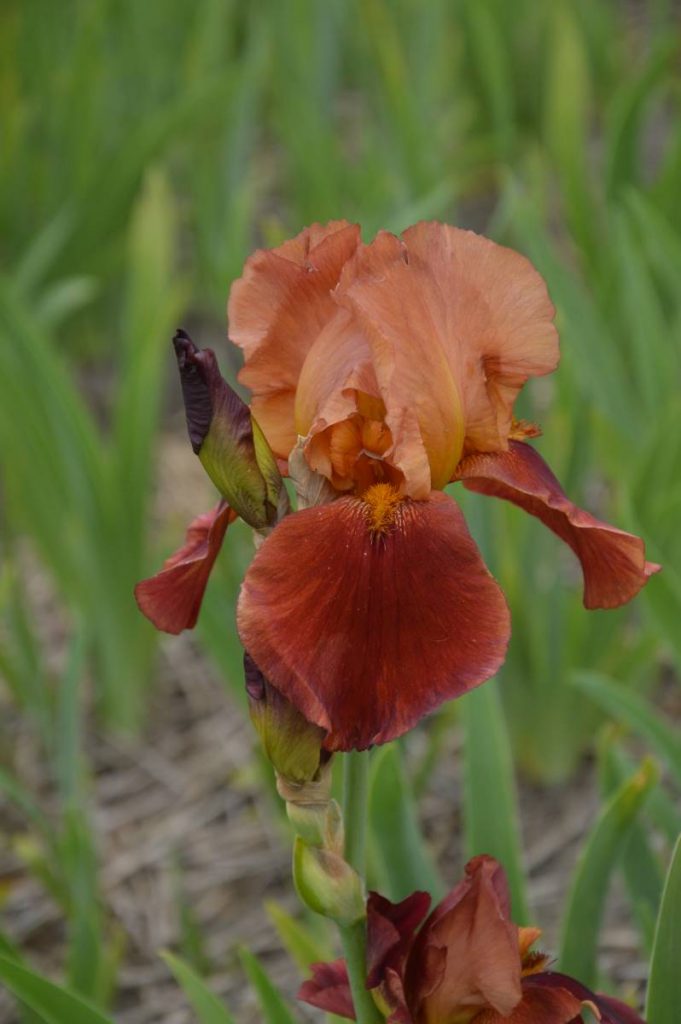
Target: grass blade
[635, 712]
[55, 1005]
[302, 942]
[398, 846]
[581, 926]
[274, 1009]
[490, 803]
[664, 987]
[208, 1007]
[640, 866]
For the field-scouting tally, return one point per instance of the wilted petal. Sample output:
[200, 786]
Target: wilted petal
[494, 315]
[481, 965]
[172, 598]
[329, 989]
[277, 309]
[366, 624]
[613, 562]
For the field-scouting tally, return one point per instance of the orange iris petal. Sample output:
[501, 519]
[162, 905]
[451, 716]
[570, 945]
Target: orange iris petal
[496, 321]
[276, 311]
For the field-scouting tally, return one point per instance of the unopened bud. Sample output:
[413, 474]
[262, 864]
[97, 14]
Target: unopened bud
[230, 444]
[327, 884]
[292, 744]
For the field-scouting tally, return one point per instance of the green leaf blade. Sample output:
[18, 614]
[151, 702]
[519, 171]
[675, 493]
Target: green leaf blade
[491, 822]
[664, 986]
[55, 1004]
[208, 1007]
[579, 945]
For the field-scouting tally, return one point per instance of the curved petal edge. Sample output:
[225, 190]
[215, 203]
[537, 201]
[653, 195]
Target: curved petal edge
[329, 989]
[172, 598]
[613, 561]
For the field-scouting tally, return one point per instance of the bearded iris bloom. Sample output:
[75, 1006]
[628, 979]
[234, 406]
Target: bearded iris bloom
[467, 963]
[398, 364]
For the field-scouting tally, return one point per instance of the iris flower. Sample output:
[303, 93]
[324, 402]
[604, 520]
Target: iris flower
[467, 963]
[394, 367]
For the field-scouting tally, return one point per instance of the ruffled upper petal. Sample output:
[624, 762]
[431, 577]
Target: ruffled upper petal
[172, 598]
[367, 617]
[613, 562]
[402, 312]
[277, 309]
[495, 318]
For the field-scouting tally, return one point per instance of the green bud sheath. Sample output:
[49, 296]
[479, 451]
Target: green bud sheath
[327, 884]
[231, 446]
[292, 744]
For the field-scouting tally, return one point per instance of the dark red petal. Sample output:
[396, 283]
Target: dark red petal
[612, 1010]
[367, 632]
[615, 1012]
[197, 374]
[329, 989]
[613, 561]
[390, 929]
[537, 1006]
[172, 598]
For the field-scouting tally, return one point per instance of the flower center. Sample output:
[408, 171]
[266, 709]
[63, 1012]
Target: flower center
[381, 504]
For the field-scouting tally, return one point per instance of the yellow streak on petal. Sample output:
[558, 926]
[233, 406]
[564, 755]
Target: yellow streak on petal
[382, 502]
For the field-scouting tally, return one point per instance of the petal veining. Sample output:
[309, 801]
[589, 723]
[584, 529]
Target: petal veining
[365, 631]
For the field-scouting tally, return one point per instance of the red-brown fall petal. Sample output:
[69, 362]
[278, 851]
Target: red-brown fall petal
[613, 562]
[481, 965]
[172, 598]
[365, 632]
[329, 989]
[277, 309]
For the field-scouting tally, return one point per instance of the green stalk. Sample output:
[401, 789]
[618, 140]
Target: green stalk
[355, 802]
[353, 937]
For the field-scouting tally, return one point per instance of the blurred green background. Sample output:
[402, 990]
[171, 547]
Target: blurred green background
[148, 147]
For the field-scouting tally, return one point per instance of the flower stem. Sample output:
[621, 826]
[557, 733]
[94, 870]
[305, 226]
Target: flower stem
[355, 796]
[353, 937]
